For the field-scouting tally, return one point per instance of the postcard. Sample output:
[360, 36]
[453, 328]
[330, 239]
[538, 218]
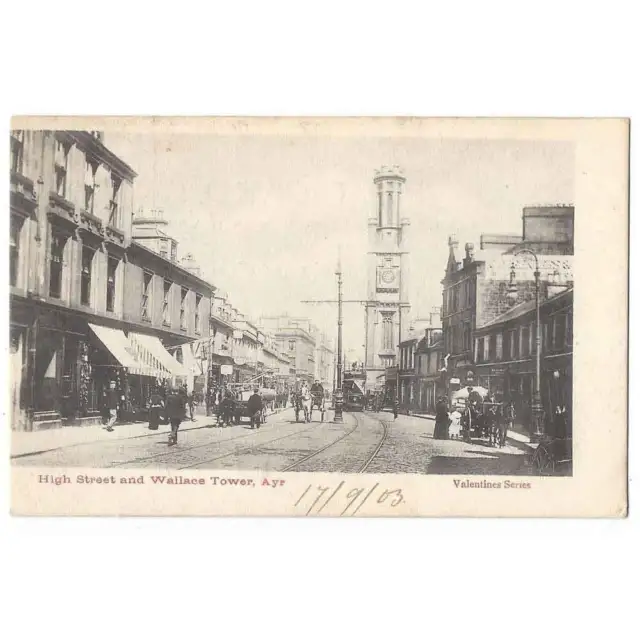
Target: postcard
[365, 317]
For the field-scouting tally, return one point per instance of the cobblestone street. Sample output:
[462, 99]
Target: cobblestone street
[371, 442]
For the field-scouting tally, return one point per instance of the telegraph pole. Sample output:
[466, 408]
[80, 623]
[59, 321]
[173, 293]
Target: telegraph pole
[337, 394]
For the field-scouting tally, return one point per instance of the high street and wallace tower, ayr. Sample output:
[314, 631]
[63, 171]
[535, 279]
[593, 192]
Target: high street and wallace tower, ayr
[112, 310]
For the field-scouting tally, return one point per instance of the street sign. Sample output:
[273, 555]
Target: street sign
[226, 369]
[455, 381]
[498, 371]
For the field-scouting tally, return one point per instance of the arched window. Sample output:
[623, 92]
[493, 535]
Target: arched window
[387, 332]
[390, 208]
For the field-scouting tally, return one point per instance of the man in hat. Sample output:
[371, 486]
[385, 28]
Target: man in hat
[254, 406]
[111, 402]
[175, 405]
[474, 399]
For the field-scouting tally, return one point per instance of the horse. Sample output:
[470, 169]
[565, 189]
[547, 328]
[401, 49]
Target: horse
[306, 402]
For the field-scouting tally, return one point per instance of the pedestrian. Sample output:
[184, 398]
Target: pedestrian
[155, 408]
[395, 408]
[441, 431]
[254, 406]
[226, 409]
[175, 413]
[112, 405]
[190, 404]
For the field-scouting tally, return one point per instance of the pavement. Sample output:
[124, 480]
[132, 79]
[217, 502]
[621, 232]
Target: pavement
[374, 442]
[27, 443]
[514, 438]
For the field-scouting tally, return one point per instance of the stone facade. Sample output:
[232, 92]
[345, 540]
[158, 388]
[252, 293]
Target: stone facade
[387, 309]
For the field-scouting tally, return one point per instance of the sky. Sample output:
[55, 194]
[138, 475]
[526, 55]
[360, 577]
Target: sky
[267, 216]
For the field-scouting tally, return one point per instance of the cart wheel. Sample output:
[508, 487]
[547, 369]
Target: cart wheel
[543, 461]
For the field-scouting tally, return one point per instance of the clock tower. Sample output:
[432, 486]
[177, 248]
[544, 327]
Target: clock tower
[387, 309]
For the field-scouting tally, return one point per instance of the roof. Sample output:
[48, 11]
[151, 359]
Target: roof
[523, 309]
[173, 265]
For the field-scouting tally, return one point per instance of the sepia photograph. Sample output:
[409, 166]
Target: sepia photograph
[232, 300]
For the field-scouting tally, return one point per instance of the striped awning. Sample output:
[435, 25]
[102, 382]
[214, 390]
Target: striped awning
[122, 349]
[156, 351]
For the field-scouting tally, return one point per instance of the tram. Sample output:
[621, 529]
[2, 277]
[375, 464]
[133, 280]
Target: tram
[353, 391]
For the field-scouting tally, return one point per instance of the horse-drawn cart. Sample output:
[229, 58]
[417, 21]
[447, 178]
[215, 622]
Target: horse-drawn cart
[240, 404]
[480, 417]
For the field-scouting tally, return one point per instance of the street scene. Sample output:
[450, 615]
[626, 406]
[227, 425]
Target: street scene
[363, 443]
[298, 304]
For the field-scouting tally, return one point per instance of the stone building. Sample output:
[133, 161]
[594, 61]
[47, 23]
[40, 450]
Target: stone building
[505, 354]
[429, 374]
[296, 338]
[88, 305]
[324, 360]
[475, 288]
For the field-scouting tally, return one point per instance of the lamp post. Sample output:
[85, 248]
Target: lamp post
[537, 410]
[337, 393]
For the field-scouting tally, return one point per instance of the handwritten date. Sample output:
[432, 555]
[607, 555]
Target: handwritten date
[343, 501]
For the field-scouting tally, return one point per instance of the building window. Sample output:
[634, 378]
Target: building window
[389, 209]
[112, 271]
[387, 332]
[147, 285]
[559, 327]
[183, 308]
[56, 259]
[526, 341]
[499, 347]
[17, 149]
[174, 251]
[292, 345]
[466, 338]
[14, 250]
[492, 347]
[197, 314]
[60, 168]
[569, 333]
[164, 248]
[166, 308]
[479, 349]
[114, 209]
[89, 186]
[513, 344]
[85, 275]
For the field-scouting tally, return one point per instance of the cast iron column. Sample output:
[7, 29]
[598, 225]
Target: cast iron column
[338, 397]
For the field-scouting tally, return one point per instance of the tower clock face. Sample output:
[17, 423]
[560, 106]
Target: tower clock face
[388, 276]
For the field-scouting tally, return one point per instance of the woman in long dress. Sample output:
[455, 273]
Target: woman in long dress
[441, 431]
[155, 407]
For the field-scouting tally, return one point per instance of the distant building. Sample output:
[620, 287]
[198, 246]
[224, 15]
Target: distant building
[150, 230]
[429, 371]
[296, 338]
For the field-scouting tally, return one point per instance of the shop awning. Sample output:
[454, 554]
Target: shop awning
[190, 362]
[156, 349]
[122, 350]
